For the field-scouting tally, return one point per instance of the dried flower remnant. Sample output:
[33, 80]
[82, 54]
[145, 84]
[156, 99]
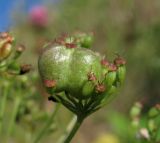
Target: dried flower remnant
[91, 76]
[112, 67]
[25, 68]
[119, 61]
[100, 88]
[104, 62]
[70, 45]
[49, 83]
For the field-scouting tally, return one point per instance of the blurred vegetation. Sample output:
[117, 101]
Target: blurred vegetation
[129, 28]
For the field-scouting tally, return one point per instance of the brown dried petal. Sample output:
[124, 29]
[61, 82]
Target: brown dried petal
[25, 68]
[49, 83]
[91, 77]
[119, 61]
[100, 88]
[112, 67]
[104, 62]
[70, 45]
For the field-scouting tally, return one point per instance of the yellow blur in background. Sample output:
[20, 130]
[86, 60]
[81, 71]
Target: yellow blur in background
[106, 138]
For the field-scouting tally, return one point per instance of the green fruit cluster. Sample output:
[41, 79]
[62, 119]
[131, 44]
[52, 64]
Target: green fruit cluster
[67, 65]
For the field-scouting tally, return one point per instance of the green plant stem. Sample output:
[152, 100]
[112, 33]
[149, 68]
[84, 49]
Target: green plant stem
[72, 129]
[2, 108]
[47, 125]
[13, 116]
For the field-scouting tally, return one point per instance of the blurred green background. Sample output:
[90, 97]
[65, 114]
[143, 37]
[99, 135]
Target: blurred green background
[130, 28]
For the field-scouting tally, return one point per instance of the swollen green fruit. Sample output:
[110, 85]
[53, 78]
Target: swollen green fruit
[110, 78]
[121, 72]
[69, 68]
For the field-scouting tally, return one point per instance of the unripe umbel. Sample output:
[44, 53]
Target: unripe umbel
[66, 66]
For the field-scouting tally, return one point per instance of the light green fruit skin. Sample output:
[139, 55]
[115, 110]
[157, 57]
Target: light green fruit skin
[54, 65]
[83, 62]
[69, 68]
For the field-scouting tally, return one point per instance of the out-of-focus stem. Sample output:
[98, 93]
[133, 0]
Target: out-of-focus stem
[13, 116]
[47, 125]
[2, 106]
[71, 130]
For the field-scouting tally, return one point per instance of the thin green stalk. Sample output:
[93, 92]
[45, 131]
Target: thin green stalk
[72, 129]
[2, 108]
[13, 116]
[47, 125]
